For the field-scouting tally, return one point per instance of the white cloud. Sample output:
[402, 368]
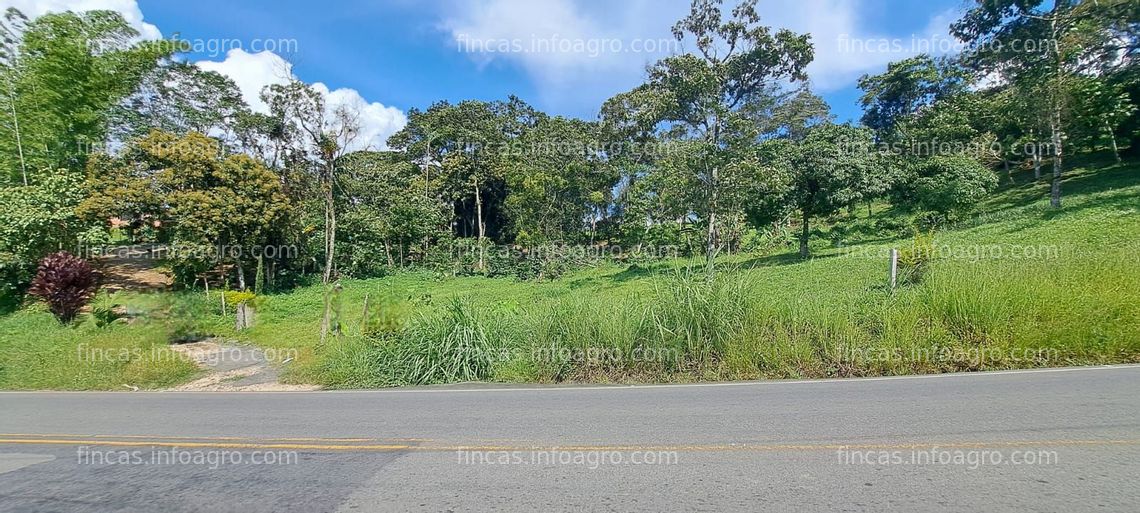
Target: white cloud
[590, 77]
[254, 71]
[377, 122]
[128, 8]
[576, 56]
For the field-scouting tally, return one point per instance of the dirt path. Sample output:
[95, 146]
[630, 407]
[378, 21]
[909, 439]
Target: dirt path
[232, 367]
[134, 268]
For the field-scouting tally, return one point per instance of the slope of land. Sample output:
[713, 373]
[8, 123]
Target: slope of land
[1017, 285]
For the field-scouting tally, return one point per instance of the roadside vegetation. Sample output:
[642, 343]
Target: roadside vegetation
[713, 223]
[987, 300]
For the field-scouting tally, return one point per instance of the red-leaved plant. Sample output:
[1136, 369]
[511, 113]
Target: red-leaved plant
[66, 282]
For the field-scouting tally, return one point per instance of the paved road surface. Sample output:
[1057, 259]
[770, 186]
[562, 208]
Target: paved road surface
[1058, 440]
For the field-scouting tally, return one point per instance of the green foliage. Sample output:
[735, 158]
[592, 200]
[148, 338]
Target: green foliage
[35, 220]
[214, 209]
[710, 99]
[385, 318]
[59, 77]
[906, 88]
[389, 215]
[38, 353]
[915, 260]
[179, 97]
[105, 313]
[833, 167]
[946, 185]
[700, 315]
[453, 347]
[237, 297]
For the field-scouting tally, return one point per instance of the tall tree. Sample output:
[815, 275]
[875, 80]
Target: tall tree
[179, 97]
[907, 87]
[814, 177]
[324, 134]
[708, 96]
[61, 74]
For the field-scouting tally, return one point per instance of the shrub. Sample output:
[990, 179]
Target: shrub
[945, 185]
[915, 261]
[237, 297]
[385, 318]
[66, 282]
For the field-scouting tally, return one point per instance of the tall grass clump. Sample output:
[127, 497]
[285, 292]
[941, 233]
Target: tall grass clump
[458, 345]
[583, 339]
[700, 315]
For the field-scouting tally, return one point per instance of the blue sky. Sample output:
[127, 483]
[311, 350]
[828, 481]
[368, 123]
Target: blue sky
[394, 55]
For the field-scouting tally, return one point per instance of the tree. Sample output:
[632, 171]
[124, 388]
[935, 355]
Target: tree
[709, 96]
[61, 74]
[813, 178]
[1100, 107]
[204, 201]
[470, 146]
[1079, 39]
[555, 180]
[905, 89]
[381, 216]
[35, 220]
[794, 116]
[323, 133]
[179, 97]
[943, 184]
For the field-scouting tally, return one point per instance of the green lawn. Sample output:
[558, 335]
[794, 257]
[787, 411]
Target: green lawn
[1019, 285]
[36, 352]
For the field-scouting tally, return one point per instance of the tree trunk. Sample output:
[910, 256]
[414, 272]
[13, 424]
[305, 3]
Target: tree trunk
[1008, 172]
[427, 164]
[1112, 137]
[711, 247]
[1055, 128]
[479, 221]
[16, 126]
[804, 234]
[1055, 121]
[240, 275]
[330, 245]
[1037, 166]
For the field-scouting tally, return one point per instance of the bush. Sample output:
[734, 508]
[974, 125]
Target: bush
[66, 282]
[385, 318]
[915, 261]
[945, 185]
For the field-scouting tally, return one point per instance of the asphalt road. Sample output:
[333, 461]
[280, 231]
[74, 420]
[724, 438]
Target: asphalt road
[1054, 440]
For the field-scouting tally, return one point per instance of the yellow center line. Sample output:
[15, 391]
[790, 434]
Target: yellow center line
[224, 438]
[212, 445]
[496, 448]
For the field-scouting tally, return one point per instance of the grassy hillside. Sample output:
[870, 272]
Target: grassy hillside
[1018, 285]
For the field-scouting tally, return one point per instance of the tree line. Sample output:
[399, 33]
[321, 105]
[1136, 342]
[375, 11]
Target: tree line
[717, 147]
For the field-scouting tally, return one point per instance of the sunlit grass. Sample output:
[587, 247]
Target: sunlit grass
[1019, 285]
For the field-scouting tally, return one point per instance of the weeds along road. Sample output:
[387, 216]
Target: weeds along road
[1050, 440]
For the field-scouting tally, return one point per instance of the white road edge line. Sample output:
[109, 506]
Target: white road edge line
[555, 388]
